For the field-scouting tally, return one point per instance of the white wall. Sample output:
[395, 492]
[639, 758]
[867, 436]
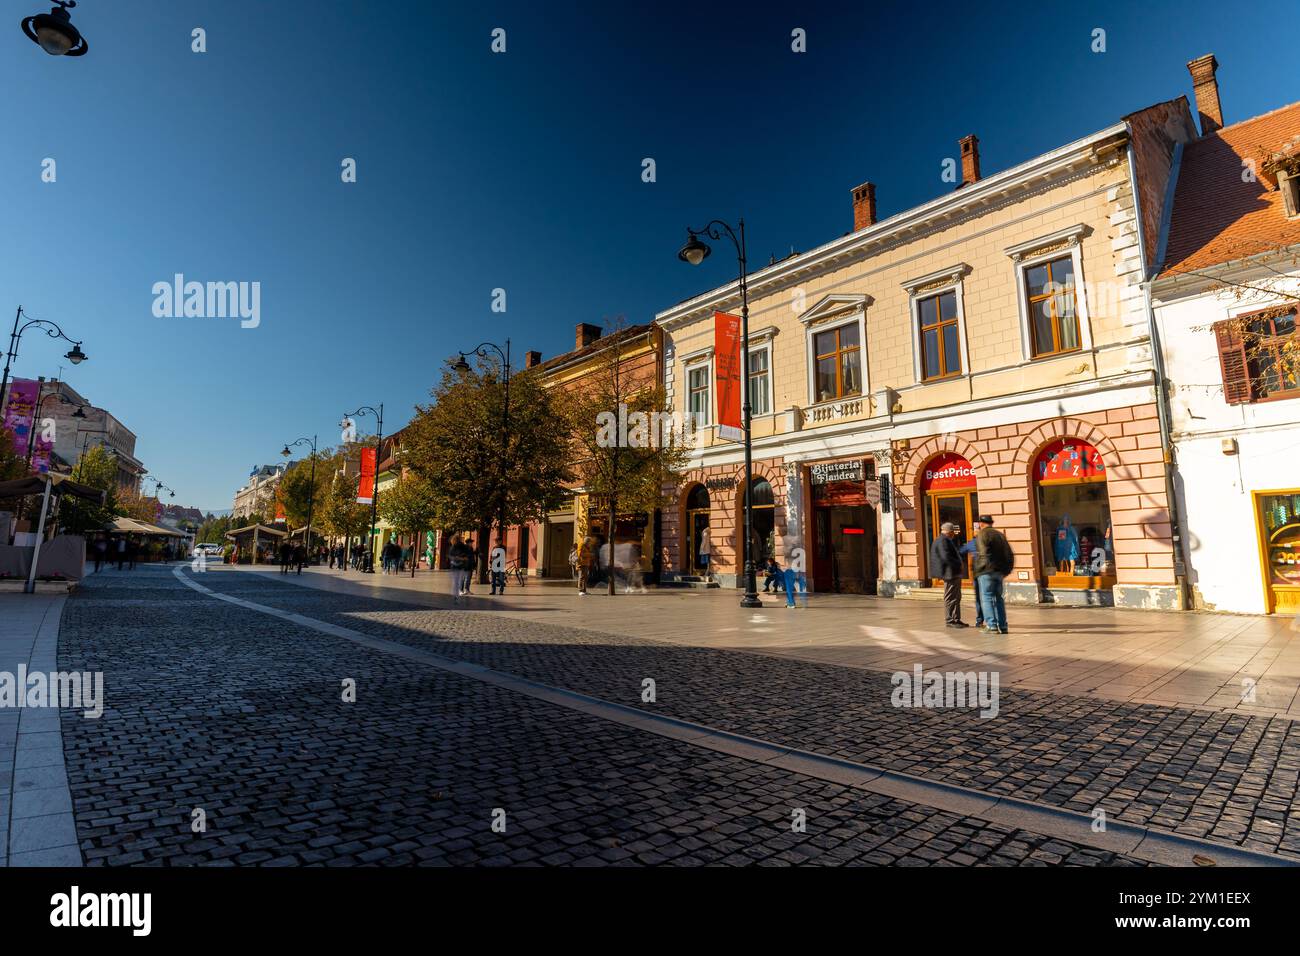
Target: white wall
[1214, 489]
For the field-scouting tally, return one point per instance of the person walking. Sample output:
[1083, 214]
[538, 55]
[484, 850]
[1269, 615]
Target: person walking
[497, 568]
[132, 550]
[994, 560]
[121, 552]
[586, 554]
[946, 565]
[299, 556]
[459, 558]
[101, 549]
[794, 575]
[703, 553]
[286, 555]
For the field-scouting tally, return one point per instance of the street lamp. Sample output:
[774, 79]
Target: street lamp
[462, 367]
[374, 498]
[36, 417]
[311, 489]
[54, 32]
[695, 251]
[73, 355]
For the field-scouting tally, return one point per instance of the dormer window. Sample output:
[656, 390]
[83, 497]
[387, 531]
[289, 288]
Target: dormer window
[1288, 183]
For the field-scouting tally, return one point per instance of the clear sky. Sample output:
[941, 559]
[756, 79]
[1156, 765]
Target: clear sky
[478, 171]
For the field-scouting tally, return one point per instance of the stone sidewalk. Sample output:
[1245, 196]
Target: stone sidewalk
[1237, 663]
[36, 826]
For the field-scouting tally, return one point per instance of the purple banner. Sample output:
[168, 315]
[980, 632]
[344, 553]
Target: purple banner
[19, 421]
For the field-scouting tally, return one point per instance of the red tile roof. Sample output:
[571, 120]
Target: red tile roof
[1217, 217]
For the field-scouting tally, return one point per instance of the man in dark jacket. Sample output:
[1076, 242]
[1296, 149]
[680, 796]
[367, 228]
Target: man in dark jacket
[994, 560]
[946, 564]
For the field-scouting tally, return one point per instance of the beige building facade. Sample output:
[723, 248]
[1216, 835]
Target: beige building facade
[988, 352]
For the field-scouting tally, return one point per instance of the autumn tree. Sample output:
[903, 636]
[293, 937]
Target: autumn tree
[481, 466]
[340, 514]
[299, 493]
[410, 506]
[628, 450]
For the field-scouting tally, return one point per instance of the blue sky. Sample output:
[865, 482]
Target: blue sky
[478, 171]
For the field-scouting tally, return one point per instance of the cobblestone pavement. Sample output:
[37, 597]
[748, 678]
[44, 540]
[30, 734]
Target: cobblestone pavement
[240, 715]
[1227, 777]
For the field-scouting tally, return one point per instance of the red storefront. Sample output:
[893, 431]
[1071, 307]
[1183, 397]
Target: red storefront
[844, 539]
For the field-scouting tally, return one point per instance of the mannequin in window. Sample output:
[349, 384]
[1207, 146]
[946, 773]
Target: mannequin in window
[1065, 546]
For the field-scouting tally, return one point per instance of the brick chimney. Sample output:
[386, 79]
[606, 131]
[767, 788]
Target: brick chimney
[532, 358]
[864, 206]
[1207, 92]
[970, 159]
[586, 334]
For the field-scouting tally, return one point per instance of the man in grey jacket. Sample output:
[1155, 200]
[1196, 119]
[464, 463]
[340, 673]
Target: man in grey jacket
[946, 564]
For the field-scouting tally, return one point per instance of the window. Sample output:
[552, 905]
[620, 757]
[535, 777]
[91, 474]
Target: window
[760, 381]
[938, 335]
[838, 356]
[1289, 185]
[698, 401]
[1259, 355]
[1053, 312]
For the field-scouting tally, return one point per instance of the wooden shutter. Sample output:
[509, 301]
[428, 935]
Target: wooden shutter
[1232, 362]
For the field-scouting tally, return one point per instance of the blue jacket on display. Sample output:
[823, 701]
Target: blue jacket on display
[1065, 542]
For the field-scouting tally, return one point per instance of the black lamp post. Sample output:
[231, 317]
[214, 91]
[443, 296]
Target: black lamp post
[374, 501]
[73, 355]
[462, 367]
[311, 489]
[36, 417]
[693, 253]
[54, 32]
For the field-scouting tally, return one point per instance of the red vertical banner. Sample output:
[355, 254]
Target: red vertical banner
[727, 372]
[366, 484]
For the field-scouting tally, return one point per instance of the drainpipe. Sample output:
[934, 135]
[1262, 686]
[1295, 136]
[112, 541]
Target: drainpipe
[1163, 411]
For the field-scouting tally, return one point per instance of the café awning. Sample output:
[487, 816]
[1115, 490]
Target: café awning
[59, 485]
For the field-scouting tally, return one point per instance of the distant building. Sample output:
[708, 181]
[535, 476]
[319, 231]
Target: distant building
[257, 496]
[73, 436]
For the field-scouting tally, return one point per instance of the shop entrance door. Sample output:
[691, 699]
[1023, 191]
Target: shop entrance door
[961, 509]
[844, 549]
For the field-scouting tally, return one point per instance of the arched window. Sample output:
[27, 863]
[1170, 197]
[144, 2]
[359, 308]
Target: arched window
[698, 498]
[762, 496]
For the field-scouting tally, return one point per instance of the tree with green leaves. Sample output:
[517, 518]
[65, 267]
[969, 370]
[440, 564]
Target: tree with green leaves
[98, 469]
[482, 467]
[298, 494]
[213, 530]
[340, 515]
[409, 505]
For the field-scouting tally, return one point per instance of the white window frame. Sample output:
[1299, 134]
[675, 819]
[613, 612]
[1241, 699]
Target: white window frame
[833, 312]
[925, 287]
[761, 341]
[1026, 255]
[704, 364]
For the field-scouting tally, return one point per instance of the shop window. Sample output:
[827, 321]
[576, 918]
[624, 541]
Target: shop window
[1259, 356]
[1053, 308]
[838, 356]
[1278, 513]
[1076, 539]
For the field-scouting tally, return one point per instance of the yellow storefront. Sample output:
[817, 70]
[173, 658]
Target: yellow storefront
[1277, 517]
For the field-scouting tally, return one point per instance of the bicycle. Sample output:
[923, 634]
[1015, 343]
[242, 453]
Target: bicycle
[513, 570]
